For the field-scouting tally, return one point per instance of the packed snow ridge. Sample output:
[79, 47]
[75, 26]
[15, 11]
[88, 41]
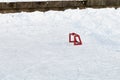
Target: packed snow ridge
[34, 0]
[35, 46]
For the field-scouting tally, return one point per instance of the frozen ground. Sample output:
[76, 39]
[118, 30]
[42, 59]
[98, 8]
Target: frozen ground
[34, 46]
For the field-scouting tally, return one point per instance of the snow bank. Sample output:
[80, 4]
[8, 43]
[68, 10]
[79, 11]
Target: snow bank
[34, 46]
[34, 0]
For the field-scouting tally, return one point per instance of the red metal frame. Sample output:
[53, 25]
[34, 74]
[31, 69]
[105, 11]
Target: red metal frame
[77, 40]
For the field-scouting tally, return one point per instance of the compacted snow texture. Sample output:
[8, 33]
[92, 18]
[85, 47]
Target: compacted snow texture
[34, 46]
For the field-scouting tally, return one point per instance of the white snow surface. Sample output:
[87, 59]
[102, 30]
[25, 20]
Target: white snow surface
[34, 46]
[34, 0]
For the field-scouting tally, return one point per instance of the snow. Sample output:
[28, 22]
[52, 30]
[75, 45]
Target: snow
[34, 46]
[34, 0]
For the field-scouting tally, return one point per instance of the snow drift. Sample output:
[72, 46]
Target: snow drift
[34, 46]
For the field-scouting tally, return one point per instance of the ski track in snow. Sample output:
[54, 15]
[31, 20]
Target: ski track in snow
[34, 46]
